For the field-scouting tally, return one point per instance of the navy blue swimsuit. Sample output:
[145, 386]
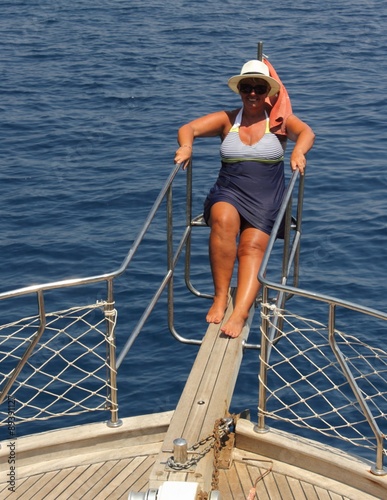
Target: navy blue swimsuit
[251, 178]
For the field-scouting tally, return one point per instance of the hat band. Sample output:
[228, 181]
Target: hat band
[253, 73]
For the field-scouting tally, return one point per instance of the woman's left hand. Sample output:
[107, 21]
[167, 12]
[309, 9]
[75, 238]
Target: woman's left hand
[299, 132]
[298, 161]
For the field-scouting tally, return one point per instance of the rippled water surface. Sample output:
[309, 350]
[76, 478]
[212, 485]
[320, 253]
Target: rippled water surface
[92, 95]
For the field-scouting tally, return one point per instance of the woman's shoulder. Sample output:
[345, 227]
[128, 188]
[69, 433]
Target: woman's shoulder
[223, 120]
[232, 114]
[230, 120]
[230, 117]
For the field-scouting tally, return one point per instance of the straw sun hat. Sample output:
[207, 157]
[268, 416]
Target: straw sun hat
[254, 69]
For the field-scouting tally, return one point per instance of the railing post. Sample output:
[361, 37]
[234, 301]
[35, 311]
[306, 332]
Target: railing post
[263, 363]
[300, 205]
[170, 259]
[188, 221]
[111, 316]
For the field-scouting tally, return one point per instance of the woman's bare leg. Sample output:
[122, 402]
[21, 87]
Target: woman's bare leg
[225, 225]
[252, 246]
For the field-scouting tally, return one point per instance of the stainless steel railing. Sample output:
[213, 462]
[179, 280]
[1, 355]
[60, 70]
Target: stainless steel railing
[270, 330]
[173, 255]
[109, 279]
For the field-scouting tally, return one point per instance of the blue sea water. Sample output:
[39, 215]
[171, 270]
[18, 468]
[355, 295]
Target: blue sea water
[91, 97]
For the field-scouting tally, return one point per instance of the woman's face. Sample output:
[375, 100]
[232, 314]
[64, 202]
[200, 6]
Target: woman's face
[253, 91]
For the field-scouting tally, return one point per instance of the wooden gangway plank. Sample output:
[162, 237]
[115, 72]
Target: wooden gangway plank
[206, 397]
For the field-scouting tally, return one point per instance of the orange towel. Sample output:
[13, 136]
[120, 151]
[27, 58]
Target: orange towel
[280, 105]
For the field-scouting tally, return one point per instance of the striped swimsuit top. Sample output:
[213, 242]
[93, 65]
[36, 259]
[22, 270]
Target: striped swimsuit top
[268, 149]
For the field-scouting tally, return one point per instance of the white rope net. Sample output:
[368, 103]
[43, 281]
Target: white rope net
[306, 385]
[66, 374]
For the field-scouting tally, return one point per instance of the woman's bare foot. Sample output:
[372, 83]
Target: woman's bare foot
[217, 310]
[234, 326]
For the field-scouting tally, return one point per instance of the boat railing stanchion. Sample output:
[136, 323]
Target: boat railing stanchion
[261, 427]
[111, 315]
[197, 221]
[260, 51]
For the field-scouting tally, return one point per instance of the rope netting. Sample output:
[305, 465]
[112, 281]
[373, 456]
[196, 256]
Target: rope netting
[306, 385]
[67, 372]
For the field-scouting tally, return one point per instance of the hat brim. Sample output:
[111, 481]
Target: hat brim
[274, 85]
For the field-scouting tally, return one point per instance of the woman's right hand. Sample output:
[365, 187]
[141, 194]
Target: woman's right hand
[211, 125]
[183, 155]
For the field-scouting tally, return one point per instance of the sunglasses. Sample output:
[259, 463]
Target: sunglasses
[246, 88]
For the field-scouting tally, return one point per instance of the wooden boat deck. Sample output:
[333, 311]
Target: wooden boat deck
[114, 478]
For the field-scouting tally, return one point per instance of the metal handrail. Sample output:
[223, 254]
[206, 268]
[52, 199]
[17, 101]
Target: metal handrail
[283, 289]
[108, 278]
[291, 247]
[167, 281]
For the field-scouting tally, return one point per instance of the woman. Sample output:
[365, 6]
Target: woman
[246, 198]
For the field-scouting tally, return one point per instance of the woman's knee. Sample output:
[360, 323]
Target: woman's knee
[225, 219]
[253, 243]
